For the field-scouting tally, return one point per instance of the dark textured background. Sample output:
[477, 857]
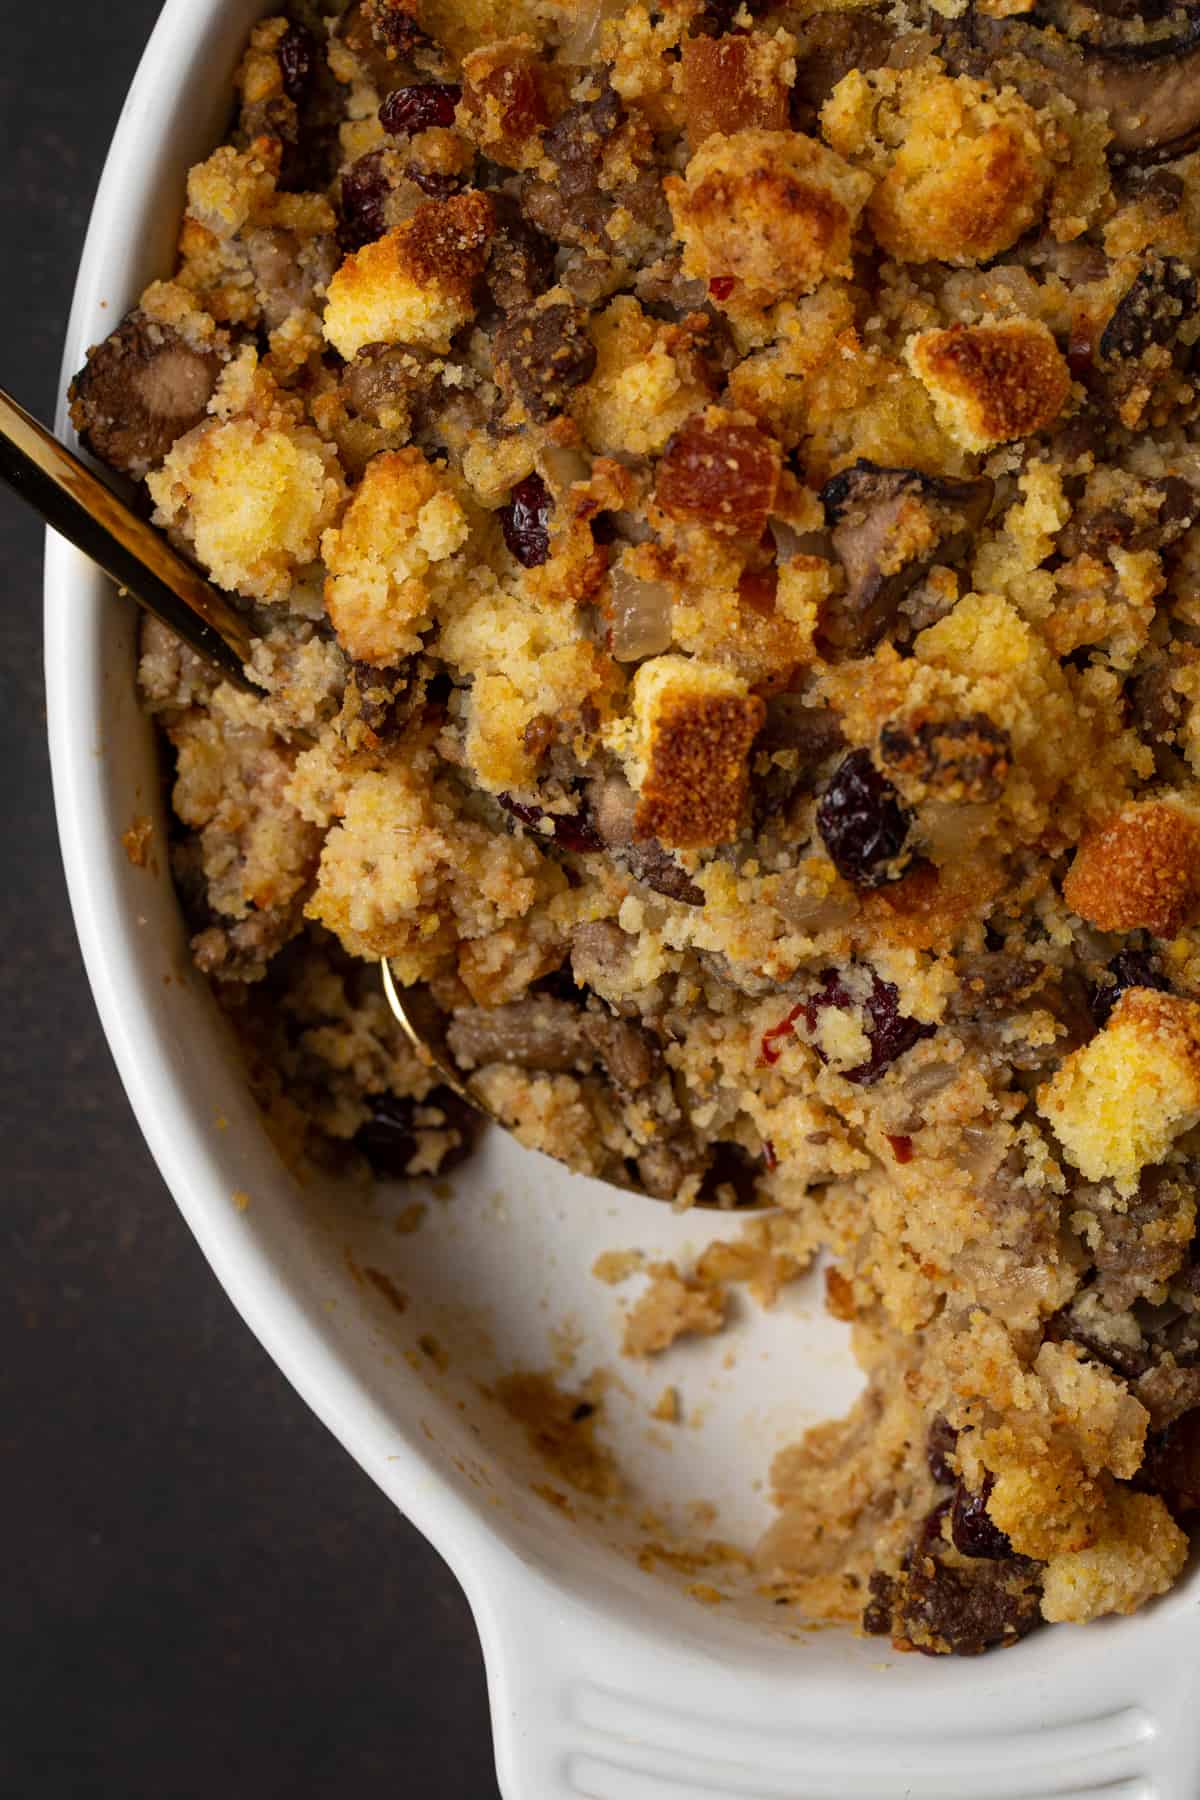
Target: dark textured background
[202, 1594]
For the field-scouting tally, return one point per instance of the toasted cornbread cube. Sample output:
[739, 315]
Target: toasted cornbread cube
[1120, 1102]
[773, 210]
[404, 520]
[1140, 871]
[251, 498]
[991, 383]
[964, 170]
[648, 378]
[414, 285]
[1139, 1554]
[504, 110]
[732, 82]
[696, 723]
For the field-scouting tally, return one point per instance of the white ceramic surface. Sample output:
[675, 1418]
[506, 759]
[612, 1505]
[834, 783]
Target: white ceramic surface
[607, 1681]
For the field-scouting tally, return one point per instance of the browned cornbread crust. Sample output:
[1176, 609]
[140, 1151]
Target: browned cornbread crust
[714, 489]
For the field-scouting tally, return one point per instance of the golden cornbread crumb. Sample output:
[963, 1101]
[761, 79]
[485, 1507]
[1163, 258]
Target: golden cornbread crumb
[774, 211]
[136, 841]
[667, 1407]
[672, 1307]
[225, 191]
[383, 561]
[416, 284]
[697, 723]
[1120, 1102]
[1139, 1556]
[1139, 871]
[963, 170]
[615, 1266]
[992, 383]
[649, 378]
[252, 500]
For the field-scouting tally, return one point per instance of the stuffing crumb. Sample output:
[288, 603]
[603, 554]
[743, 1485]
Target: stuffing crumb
[136, 841]
[773, 210]
[615, 1266]
[1119, 1103]
[561, 1428]
[672, 1307]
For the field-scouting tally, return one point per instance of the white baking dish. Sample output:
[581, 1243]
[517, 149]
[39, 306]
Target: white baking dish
[606, 1680]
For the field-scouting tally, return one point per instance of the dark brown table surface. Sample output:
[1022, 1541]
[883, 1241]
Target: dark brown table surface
[203, 1595]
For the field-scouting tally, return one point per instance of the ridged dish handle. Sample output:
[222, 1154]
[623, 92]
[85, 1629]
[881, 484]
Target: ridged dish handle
[584, 1708]
[537, 1645]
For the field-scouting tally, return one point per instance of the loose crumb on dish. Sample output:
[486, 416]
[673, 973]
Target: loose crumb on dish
[137, 841]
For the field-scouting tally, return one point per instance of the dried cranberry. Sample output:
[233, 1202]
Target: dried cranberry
[767, 1052]
[525, 521]
[721, 286]
[431, 182]
[572, 831]
[388, 1139]
[901, 1147]
[889, 1031]
[940, 1445]
[410, 109]
[861, 821]
[1128, 969]
[297, 59]
[365, 188]
[971, 1526]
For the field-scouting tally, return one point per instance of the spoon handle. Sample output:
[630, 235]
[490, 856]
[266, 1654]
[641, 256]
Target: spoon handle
[89, 515]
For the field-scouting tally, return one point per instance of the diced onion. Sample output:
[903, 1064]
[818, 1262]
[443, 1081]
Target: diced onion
[582, 25]
[641, 617]
[789, 542]
[565, 466]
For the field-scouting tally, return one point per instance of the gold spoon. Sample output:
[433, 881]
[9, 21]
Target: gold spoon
[81, 508]
[84, 510]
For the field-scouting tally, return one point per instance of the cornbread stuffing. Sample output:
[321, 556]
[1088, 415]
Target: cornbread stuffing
[715, 492]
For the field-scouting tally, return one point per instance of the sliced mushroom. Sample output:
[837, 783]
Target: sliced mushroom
[139, 390]
[812, 733]
[601, 953]
[630, 1056]
[1161, 299]
[556, 1037]
[536, 1033]
[612, 804]
[1149, 89]
[828, 45]
[889, 527]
